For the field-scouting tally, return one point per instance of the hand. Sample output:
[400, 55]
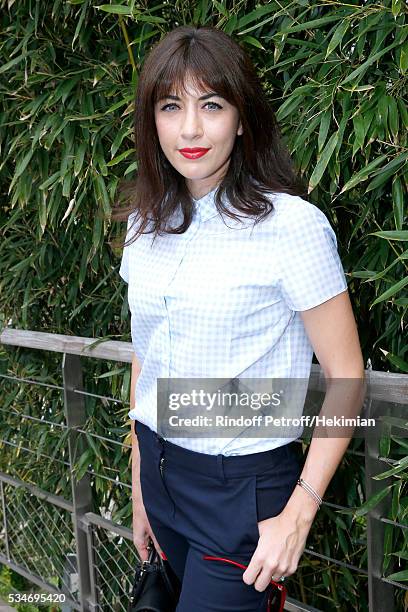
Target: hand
[142, 531]
[281, 543]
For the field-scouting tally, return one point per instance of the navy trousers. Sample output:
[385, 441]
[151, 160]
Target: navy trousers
[199, 504]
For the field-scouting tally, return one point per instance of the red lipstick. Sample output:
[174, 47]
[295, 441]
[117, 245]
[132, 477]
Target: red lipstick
[193, 153]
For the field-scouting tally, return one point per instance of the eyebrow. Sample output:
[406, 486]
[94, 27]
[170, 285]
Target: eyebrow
[204, 97]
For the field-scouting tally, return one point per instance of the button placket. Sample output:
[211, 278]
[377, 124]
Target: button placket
[185, 239]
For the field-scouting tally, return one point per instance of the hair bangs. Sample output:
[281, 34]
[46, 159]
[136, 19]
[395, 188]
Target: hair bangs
[195, 65]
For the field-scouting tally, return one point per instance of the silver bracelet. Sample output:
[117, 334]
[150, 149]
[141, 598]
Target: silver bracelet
[318, 500]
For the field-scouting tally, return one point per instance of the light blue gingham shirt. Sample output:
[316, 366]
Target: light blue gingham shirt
[223, 300]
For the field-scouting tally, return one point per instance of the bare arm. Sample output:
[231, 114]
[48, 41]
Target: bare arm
[142, 531]
[333, 334]
[136, 493]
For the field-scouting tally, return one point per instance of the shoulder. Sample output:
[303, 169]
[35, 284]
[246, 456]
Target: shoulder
[295, 215]
[294, 209]
[134, 222]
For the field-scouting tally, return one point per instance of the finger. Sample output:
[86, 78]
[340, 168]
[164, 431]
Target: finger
[156, 544]
[263, 580]
[141, 545]
[252, 571]
[279, 573]
[143, 553]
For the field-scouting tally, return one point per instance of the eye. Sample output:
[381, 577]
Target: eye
[166, 106]
[214, 103]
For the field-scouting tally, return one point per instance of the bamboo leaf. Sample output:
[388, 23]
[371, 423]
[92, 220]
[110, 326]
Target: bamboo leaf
[255, 15]
[79, 158]
[121, 157]
[111, 373]
[79, 23]
[379, 180]
[403, 112]
[396, 501]
[93, 446]
[369, 505]
[393, 117]
[323, 161]
[359, 131]
[288, 107]
[101, 194]
[391, 234]
[391, 421]
[396, 7]
[117, 9]
[254, 42]
[403, 554]
[358, 72]
[130, 168]
[114, 107]
[383, 110]
[395, 164]
[22, 165]
[14, 61]
[404, 58]
[399, 576]
[310, 25]
[50, 181]
[372, 275]
[337, 36]
[323, 130]
[150, 18]
[391, 291]
[305, 134]
[363, 174]
[395, 470]
[388, 543]
[398, 203]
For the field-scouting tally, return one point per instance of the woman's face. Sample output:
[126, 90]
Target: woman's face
[188, 123]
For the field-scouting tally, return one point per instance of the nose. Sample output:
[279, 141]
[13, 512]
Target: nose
[191, 125]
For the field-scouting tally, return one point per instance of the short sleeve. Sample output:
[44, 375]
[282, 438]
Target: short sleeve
[124, 264]
[310, 268]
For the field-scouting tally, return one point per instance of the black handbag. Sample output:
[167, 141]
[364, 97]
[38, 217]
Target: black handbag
[156, 588]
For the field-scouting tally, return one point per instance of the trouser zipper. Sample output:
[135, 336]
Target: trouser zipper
[162, 466]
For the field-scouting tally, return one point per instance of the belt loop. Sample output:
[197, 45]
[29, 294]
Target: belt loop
[220, 466]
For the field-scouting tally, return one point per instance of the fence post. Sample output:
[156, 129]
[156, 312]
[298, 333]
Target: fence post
[5, 524]
[74, 405]
[380, 594]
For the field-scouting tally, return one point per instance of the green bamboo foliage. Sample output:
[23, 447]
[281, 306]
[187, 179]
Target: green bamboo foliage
[336, 75]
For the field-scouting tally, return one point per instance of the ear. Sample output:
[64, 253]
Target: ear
[240, 130]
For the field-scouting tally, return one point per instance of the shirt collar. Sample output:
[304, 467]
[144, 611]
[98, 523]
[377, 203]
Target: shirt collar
[205, 206]
[206, 209]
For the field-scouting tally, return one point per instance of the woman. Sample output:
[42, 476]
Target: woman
[231, 273]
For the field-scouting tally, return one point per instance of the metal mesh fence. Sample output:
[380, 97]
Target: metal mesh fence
[62, 546]
[39, 535]
[114, 562]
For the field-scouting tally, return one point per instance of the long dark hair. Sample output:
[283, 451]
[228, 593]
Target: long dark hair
[259, 163]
